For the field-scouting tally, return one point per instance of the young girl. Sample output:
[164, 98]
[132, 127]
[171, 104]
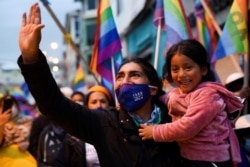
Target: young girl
[199, 108]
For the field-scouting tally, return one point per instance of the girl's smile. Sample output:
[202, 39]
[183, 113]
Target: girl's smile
[186, 73]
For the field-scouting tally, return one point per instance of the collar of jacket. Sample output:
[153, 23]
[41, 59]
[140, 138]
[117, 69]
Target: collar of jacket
[126, 121]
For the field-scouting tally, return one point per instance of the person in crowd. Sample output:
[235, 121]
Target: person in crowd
[14, 135]
[235, 83]
[99, 97]
[38, 124]
[199, 107]
[72, 151]
[58, 148]
[113, 133]
[78, 97]
[242, 129]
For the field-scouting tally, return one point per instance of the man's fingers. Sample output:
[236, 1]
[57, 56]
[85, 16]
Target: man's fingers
[24, 19]
[32, 13]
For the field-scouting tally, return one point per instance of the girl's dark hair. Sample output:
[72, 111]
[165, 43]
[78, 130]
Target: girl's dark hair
[149, 71]
[193, 50]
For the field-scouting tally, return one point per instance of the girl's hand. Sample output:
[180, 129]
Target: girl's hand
[146, 131]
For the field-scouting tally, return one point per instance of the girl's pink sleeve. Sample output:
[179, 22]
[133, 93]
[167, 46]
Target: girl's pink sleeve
[164, 98]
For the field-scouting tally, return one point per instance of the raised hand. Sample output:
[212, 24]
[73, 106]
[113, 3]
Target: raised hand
[30, 34]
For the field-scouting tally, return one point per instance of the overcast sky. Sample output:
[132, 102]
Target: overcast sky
[11, 14]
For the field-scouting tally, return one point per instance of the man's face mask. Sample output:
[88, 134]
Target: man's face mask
[132, 97]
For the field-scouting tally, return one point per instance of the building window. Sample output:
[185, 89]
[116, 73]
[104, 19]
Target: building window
[77, 26]
[92, 4]
[91, 28]
[218, 5]
[119, 6]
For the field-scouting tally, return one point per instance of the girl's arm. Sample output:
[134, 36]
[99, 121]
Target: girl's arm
[191, 114]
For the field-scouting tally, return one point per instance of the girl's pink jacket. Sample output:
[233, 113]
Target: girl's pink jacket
[201, 123]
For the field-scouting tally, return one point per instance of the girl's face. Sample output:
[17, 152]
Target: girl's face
[97, 100]
[186, 74]
[130, 73]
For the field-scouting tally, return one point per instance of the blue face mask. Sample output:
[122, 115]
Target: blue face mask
[131, 97]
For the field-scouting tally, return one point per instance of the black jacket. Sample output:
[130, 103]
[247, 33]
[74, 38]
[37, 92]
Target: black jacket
[113, 133]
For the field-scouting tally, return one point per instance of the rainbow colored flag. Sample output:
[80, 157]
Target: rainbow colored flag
[234, 37]
[205, 30]
[25, 107]
[78, 81]
[24, 87]
[107, 43]
[159, 14]
[177, 25]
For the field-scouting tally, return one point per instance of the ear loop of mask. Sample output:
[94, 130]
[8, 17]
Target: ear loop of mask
[151, 86]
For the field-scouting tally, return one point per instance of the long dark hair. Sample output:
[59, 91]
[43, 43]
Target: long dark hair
[149, 70]
[193, 50]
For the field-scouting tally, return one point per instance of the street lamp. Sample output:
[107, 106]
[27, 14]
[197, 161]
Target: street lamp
[54, 45]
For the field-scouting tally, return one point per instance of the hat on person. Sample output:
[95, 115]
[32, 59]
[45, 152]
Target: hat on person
[242, 122]
[234, 81]
[98, 88]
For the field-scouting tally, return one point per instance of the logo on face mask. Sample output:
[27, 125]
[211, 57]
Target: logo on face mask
[131, 97]
[138, 96]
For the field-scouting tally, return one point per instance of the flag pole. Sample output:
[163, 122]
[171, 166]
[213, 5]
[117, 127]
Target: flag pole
[246, 74]
[157, 45]
[211, 15]
[246, 61]
[67, 37]
[113, 77]
[217, 27]
[246, 70]
[190, 34]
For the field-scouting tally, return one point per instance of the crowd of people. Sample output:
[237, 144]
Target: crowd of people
[185, 119]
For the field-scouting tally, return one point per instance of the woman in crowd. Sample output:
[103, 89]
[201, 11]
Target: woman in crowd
[98, 97]
[114, 134]
[14, 135]
[242, 130]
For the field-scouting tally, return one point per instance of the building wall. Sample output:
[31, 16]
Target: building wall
[141, 42]
[139, 37]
